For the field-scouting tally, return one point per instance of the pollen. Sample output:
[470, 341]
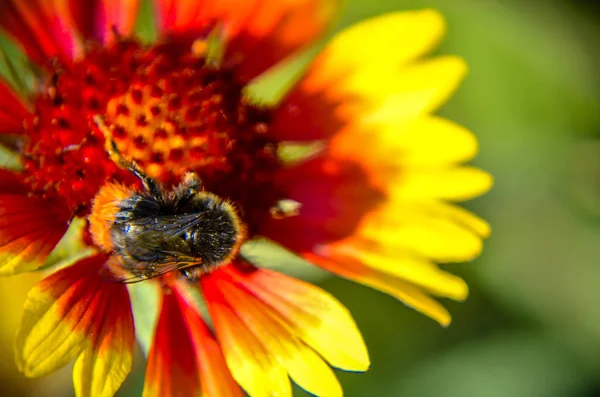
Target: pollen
[168, 110]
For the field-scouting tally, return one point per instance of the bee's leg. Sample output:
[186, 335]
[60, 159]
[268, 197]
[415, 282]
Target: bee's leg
[191, 181]
[113, 153]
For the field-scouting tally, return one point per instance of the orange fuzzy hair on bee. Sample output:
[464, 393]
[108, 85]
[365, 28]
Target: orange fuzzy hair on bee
[104, 209]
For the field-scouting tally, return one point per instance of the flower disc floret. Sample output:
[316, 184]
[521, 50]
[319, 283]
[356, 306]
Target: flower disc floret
[167, 109]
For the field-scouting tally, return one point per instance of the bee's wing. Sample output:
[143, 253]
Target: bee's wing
[160, 237]
[117, 273]
[157, 241]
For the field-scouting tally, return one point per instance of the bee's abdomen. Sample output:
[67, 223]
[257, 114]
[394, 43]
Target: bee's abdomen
[218, 234]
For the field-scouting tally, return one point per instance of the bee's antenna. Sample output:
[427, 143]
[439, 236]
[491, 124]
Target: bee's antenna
[115, 156]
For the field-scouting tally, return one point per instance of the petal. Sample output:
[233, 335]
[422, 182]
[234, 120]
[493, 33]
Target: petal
[457, 183]
[304, 366]
[397, 153]
[42, 27]
[12, 110]
[30, 228]
[400, 263]
[409, 294]
[334, 195]
[172, 369]
[185, 359]
[97, 19]
[215, 377]
[12, 182]
[422, 228]
[315, 316]
[76, 313]
[359, 63]
[393, 145]
[104, 365]
[258, 33]
[389, 40]
[251, 364]
[416, 89]
[462, 217]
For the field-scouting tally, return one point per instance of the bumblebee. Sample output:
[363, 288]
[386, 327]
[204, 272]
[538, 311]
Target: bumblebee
[155, 231]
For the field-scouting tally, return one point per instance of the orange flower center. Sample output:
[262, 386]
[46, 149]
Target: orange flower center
[167, 110]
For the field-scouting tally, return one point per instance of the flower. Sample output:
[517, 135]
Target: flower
[373, 202]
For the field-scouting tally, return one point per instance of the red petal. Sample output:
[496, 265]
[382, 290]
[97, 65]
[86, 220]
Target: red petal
[30, 228]
[185, 360]
[215, 376]
[42, 27]
[334, 195]
[96, 19]
[308, 115]
[172, 369]
[12, 182]
[258, 33]
[12, 110]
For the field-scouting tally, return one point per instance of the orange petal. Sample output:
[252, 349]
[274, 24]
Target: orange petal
[251, 364]
[98, 18]
[316, 317]
[259, 33]
[42, 27]
[276, 330]
[30, 228]
[215, 377]
[12, 110]
[185, 358]
[75, 313]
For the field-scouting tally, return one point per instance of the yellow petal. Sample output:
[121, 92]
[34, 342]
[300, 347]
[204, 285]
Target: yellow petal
[251, 365]
[412, 91]
[100, 375]
[75, 313]
[428, 141]
[45, 342]
[405, 292]
[417, 228]
[319, 319]
[304, 366]
[391, 39]
[461, 216]
[399, 263]
[425, 142]
[458, 183]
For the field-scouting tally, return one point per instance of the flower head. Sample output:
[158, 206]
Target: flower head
[165, 157]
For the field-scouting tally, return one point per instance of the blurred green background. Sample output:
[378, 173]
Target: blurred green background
[531, 326]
